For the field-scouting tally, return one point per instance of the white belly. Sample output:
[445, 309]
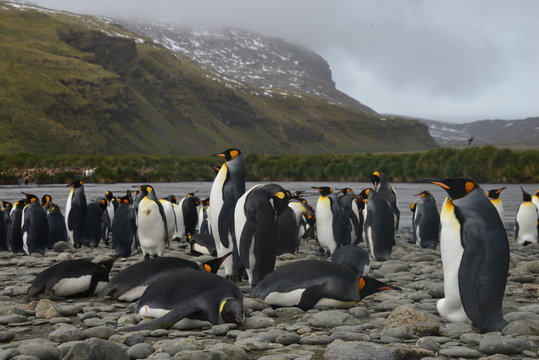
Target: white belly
[527, 223]
[133, 294]
[333, 303]
[151, 230]
[71, 286]
[450, 307]
[290, 298]
[239, 223]
[183, 324]
[324, 220]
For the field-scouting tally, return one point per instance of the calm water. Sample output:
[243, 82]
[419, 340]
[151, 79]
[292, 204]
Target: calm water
[512, 196]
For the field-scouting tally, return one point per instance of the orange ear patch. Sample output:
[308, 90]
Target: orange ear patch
[469, 186]
[207, 267]
[361, 283]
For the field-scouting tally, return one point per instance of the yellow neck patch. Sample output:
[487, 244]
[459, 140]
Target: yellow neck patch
[221, 306]
[279, 195]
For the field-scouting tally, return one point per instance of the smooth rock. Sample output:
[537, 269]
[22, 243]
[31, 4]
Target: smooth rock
[201, 355]
[358, 350]
[254, 304]
[43, 350]
[66, 333]
[521, 327]
[101, 332]
[6, 336]
[331, 318]
[12, 319]
[64, 256]
[47, 309]
[60, 246]
[455, 330]
[258, 322]
[140, 351]
[232, 351]
[96, 349]
[416, 322]
[495, 344]
[460, 352]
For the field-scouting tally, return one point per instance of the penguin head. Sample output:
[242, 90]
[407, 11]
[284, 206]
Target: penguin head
[45, 200]
[229, 154]
[6, 205]
[206, 202]
[494, 193]
[346, 190]
[324, 190]
[368, 286]
[280, 199]
[76, 184]
[525, 195]
[145, 189]
[109, 196]
[364, 194]
[296, 194]
[456, 188]
[172, 198]
[213, 264]
[30, 197]
[102, 202]
[20, 204]
[376, 178]
[53, 208]
[412, 207]
[231, 310]
[107, 264]
[125, 199]
[422, 194]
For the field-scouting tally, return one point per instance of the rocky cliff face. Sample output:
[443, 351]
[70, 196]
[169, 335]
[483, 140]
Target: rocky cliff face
[260, 61]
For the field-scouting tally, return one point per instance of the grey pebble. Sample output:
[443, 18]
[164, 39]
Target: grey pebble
[66, 333]
[96, 349]
[6, 336]
[316, 339]
[42, 349]
[102, 332]
[331, 318]
[200, 355]
[460, 351]
[455, 330]
[94, 321]
[288, 338]
[232, 351]
[492, 344]
[357, 350]
[140, 351]
[12, 319]
[25, 357]
[8, 354]
[258, 322]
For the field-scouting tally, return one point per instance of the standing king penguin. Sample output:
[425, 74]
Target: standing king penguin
[256, 225]
[14, 233]
[152, 223]
[124, 228]
[57, 225]
[227, 188]
[382, 186]
[494, 196]
[526, 221]
[379, 225]
[330, 221]
[426, 221]
[535, 199]
[76, 213]
[475, 256]
[34, 226]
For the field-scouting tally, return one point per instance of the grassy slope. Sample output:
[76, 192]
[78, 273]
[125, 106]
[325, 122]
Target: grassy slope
[74, 84]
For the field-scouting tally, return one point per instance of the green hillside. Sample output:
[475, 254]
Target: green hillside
[77, 84]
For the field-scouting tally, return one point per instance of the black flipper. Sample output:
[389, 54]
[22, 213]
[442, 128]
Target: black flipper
[166, 321]
[164, 217]
[311, 296]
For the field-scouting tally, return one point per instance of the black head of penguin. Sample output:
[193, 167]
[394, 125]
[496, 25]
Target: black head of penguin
[126, 200]
[345, 190]
[376, 178]
[214, 264]
[495, 193]
[525, 195]
[107, 264]
[413, 207]
[148, 191]
[229, 154]
[422, 194]
[76, 184]
[324, 190]
[46, 200]
[456, 188]
[172, 198]
[7, 206]
[368, 286]
[231, 311]
[30, 197]
[364, 194]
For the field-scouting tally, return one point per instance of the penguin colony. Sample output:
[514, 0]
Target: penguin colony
[246, 230]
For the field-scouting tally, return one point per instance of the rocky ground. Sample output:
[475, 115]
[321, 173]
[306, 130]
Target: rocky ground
[388, 325]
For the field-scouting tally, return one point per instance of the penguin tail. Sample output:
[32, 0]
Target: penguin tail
[165, 321]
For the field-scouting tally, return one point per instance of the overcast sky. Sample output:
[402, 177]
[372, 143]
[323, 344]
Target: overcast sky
[451, 60]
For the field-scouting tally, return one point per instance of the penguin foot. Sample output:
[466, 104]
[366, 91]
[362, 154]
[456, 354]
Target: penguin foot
[320, 252]
[526, 243]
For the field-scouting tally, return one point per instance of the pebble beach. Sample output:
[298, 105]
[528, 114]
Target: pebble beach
[387, 325]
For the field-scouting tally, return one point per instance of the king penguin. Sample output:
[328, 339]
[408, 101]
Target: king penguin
[124, 228]
[349, 204]
[475, 256]
[190, 213]
[5, 208]
[526, 221]
[203, 225]
[76, 213]
[72, 279]
[256, 226]
[34, 226]
[57, 225]
[330, 222]
[354, 258]
[14, 233]
[94, 215]
[130, 283]
[152, 228]
[227, 188]
[426, 221]
[309, 284]
[382, 186]
[494, 196]
[535, 199]
[195, 297]
[379, 226]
